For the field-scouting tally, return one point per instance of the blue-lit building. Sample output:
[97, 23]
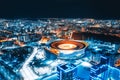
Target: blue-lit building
[67, 72]
[99, 69]
[7, 43]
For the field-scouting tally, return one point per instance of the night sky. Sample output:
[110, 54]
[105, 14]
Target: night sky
[99, 9]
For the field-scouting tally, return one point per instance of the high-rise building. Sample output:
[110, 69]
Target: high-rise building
[67, 72]
[99, 69]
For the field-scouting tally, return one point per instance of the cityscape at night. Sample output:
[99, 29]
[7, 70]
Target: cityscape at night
[59, 49]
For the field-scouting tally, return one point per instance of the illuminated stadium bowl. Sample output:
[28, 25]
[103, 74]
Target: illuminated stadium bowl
[69, 49]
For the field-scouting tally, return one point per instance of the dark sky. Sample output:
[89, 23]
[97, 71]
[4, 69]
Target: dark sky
[101, 9]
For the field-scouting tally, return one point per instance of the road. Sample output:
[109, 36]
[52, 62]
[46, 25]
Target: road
[26, 71]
